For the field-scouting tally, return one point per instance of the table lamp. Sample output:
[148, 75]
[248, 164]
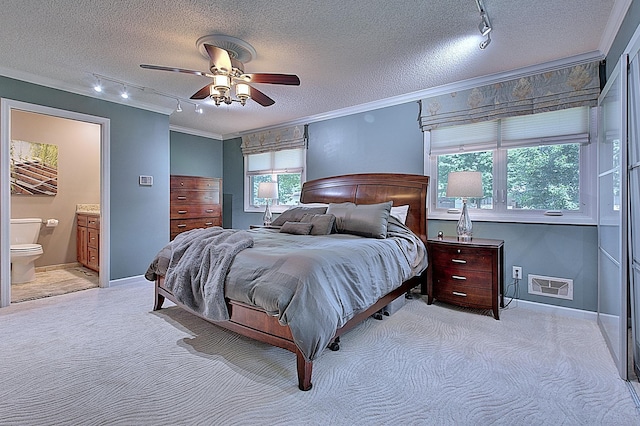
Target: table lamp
[464, 185]
[269, 191]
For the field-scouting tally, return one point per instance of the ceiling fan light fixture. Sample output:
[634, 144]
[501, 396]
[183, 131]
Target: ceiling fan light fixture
[243, 92]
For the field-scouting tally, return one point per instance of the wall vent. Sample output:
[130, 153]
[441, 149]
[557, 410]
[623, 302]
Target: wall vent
[561, 288]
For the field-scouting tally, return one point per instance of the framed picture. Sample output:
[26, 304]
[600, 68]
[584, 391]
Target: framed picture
[33, 168]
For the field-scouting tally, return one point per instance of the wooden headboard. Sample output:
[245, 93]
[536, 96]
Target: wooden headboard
[372, 188]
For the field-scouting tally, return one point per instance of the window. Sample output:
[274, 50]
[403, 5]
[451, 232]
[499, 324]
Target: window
[285, 167]
[535, 168]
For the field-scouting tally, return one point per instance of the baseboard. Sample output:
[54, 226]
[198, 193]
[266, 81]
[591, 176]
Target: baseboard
[554, 310]
[138, 279]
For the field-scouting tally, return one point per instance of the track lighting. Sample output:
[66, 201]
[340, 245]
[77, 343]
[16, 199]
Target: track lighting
[485, 25]
[108, 87]
[98, 86]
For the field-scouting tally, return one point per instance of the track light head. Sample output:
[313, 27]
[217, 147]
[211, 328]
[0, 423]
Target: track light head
[178, 107]
[484, 43]
[124, 94]
[98, 86]
[485, 25]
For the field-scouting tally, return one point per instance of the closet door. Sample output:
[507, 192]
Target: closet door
[634, 206]
[612, 215]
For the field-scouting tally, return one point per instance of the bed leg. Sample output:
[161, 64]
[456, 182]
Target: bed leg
[304, 372]
[159, 300]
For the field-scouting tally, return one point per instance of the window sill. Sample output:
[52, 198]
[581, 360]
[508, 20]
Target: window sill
[520, 217]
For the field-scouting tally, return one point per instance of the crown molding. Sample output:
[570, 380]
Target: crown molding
[195, 132]
[441, 90]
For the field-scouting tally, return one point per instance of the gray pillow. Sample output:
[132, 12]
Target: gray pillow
[367, 220]
[296, 228]
[322, 223]
[294, 214]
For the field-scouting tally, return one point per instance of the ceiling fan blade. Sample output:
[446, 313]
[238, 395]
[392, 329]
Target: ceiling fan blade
[219, 57]
[172, 69]
[260, 97]
[288, 79]
[202, 93]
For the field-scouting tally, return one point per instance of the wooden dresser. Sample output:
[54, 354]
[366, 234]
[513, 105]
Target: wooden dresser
[88, 240]
[195, 202]
[466, 273]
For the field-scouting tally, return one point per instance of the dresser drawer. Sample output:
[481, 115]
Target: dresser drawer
[82, 220]
[462, 258]
[93, 222]
[181, 225]
[475, 279]
[193, 182]
[181, 197]
[191, 211]
[452, 292]
[93, 261]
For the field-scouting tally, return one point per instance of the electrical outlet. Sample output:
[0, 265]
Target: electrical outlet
[517, 272]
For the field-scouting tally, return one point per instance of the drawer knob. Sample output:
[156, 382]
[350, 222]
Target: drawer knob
[457, 293]
[208, 223]
[209, 211]
[458, 277]
[182, 211]
[458, 251]
[182, 197]
[182, 225]
[458, 261]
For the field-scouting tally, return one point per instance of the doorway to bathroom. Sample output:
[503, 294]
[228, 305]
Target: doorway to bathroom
[81, 145]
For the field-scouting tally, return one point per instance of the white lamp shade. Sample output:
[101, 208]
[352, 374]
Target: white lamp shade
[464, 185]
[268, 190]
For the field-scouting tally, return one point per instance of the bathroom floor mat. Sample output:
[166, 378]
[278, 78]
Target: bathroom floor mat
[53, 283]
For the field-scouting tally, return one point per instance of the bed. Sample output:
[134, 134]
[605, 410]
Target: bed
[247, 317]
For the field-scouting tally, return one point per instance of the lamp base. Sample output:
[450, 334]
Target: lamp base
[266, 220]
[465, 227]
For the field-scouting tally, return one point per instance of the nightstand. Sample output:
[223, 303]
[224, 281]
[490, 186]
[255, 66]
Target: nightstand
[466, 273]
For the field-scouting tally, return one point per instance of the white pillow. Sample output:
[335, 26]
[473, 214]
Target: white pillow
[400, 213]
[313, 205]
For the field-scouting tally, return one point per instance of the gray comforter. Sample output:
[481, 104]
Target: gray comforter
[315, 284]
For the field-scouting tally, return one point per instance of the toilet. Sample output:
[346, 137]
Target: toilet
[24, 250]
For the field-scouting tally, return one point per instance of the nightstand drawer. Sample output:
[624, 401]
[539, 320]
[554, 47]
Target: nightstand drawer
[452, 292]
[476, 279]
[461, 257]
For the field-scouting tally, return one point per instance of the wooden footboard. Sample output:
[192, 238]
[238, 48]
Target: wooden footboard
[256, 324]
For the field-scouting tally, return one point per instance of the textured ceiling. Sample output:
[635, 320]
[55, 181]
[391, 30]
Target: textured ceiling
[346, 53]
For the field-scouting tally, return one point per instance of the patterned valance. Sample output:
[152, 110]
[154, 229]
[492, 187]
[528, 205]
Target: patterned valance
[570, 87]
[274, 140]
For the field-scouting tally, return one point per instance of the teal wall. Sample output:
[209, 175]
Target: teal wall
[195, 155]
[626, 31]
[139, 146]
[563, 251]
[386, 140]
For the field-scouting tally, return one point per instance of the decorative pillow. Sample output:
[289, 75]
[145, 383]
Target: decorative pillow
[367, 220]
[400, 213]
[294, 214]
[297, 228]
[322, 223]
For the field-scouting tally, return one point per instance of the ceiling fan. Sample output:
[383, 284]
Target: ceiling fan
[227, 56]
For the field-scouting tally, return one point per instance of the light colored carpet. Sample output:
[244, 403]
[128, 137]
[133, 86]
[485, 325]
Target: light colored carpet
[102, 356]
[55, 282]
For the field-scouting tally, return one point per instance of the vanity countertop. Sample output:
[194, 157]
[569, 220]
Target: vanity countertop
[88, 208]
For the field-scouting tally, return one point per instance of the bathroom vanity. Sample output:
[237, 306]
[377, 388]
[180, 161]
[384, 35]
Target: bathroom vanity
[88, 240]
